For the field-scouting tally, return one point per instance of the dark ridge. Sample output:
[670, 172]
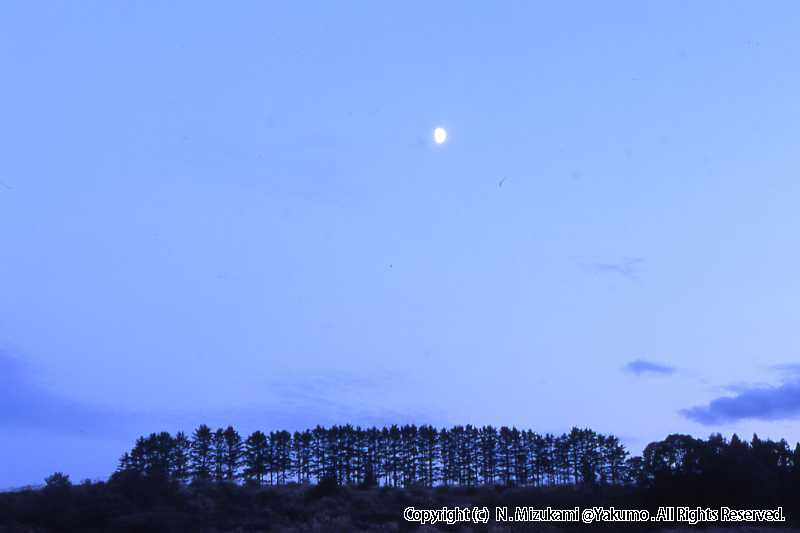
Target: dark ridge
[346, 478]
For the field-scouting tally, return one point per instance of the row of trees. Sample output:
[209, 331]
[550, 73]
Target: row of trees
[148, 492]
[404, 456]
[410, 455]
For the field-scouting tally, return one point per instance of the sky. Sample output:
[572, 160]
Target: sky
[237, 215]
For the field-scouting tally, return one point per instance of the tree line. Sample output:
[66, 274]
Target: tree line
[460, 456]
[347, 478]
[397, 456]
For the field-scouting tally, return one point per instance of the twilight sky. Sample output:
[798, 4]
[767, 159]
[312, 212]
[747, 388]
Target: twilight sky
[236, 214]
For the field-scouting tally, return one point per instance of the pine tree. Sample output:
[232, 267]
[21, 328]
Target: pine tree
[487, 454]
[125, 463]
[218, 452]
[409, 455]
[201, 454]
[180, 462]
[256, 451]
[161, 449]
[232, 458]
[468, 454]
[506, 458]
[280, 442]
[520, 454]
[429, 452]
[319, 447]
[448, 451]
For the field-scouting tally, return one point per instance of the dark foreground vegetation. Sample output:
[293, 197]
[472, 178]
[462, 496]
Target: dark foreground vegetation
[351, 479]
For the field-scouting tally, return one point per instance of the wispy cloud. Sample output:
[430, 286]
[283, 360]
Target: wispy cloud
[787, 369]
[628, 268]
[640, 367]
[293, 403]
[760, 403]
[27, 404]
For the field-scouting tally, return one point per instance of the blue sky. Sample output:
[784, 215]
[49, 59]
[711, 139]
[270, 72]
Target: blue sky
[237, 214]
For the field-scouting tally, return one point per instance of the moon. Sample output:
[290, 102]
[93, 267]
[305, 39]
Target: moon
[439, 135]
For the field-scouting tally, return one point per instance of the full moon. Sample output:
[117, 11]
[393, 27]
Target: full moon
[439, 135]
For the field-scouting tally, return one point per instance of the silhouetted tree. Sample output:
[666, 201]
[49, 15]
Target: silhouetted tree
[57, 481]
[256, 458]
[232, 455]
[428, 454]
[201, 454]
[218, 455]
